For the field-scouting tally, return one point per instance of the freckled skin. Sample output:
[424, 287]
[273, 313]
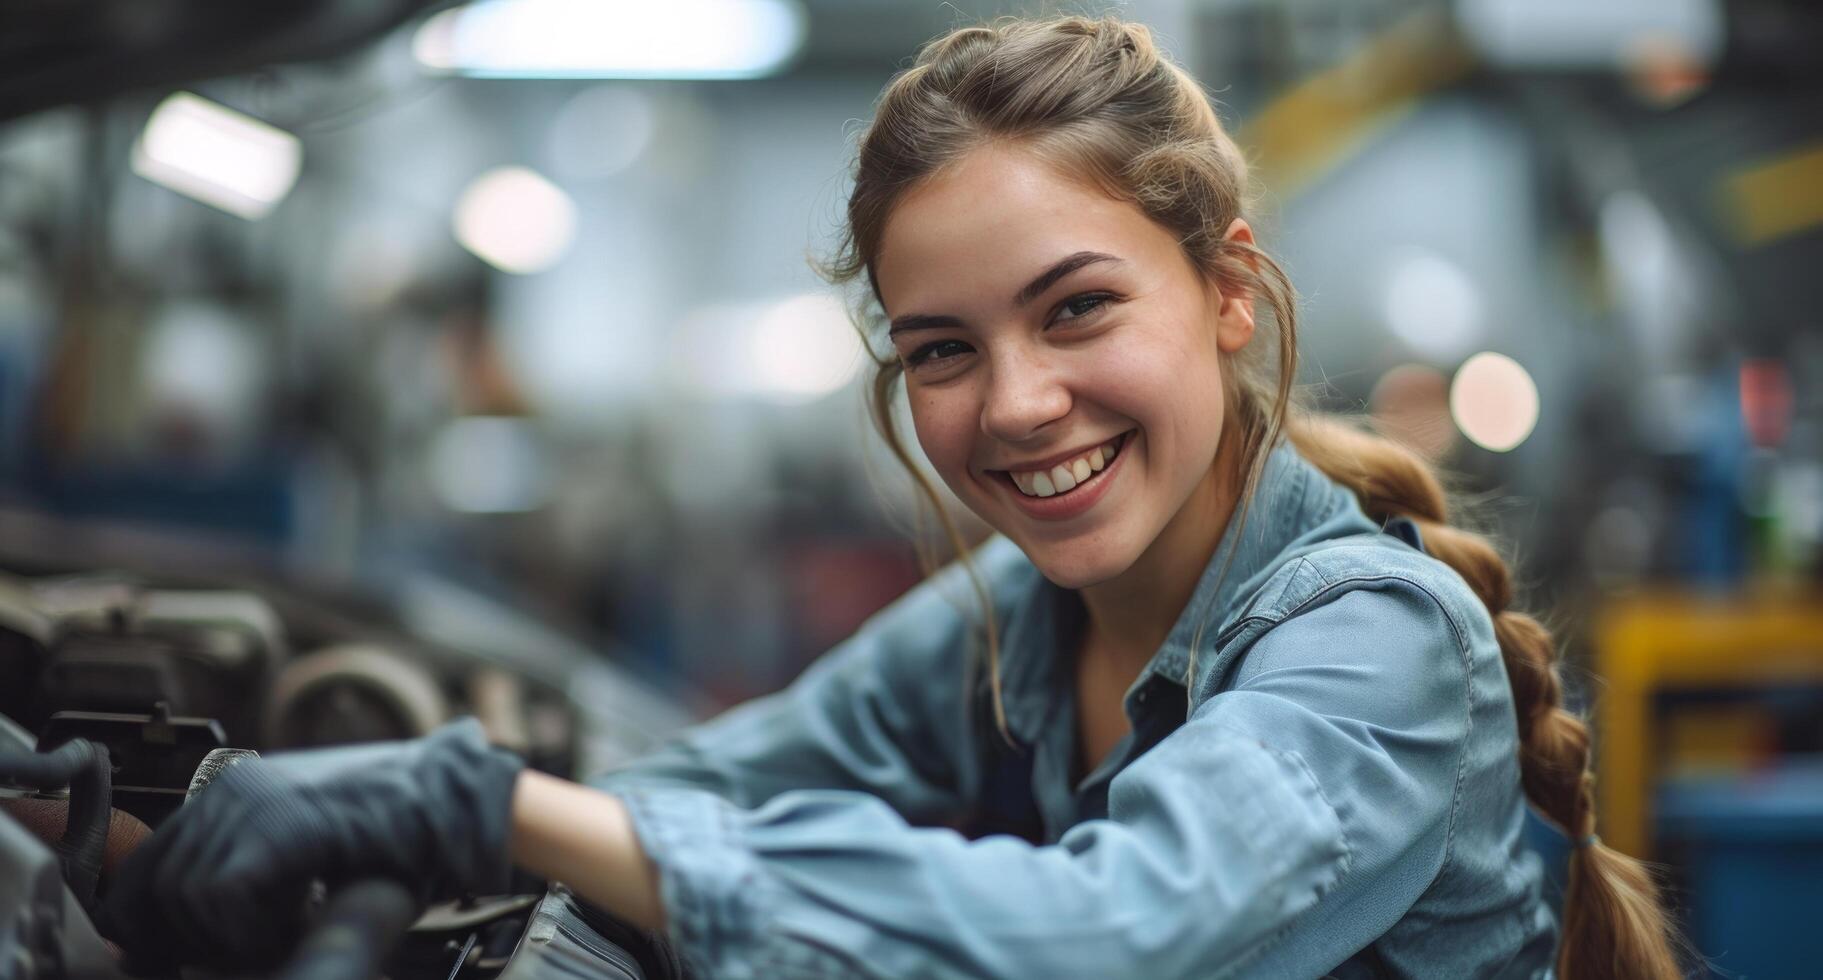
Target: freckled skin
[1016, 384]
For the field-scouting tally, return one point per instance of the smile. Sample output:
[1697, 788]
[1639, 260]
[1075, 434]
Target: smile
[1054, 493]
[1067, 475]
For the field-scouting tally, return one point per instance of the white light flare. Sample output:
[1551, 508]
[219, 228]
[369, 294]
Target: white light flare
[1433, 305]
[792, 351]
[220, 157]
[515, 220]
[1494, 401]
[595, 39]
[803, 349]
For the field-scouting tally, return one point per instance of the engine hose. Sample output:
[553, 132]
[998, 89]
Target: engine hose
[357, 930]
[83, 766]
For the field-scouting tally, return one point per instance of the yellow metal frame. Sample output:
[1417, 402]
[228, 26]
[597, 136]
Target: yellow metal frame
[1652, 643]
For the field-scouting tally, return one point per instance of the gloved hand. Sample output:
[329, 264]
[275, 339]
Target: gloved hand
[223, 881]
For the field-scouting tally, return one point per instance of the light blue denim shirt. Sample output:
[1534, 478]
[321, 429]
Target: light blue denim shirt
[1339, 794]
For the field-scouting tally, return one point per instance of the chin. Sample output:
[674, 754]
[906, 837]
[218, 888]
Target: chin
[1076, 566]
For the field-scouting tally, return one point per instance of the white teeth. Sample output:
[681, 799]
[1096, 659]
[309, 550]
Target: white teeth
[1067, 476]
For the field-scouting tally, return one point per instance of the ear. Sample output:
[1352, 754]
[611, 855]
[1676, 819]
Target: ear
[1234, 315]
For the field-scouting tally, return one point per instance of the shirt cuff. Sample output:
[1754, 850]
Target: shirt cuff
[717, 896]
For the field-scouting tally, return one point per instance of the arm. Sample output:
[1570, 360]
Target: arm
[584, 837]
[447, 813]
[1323, 781]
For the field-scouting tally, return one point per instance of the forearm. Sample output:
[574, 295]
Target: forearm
[816, 881]
[583, 837]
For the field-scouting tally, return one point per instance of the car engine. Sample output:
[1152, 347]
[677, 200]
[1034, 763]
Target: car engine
[121, 695]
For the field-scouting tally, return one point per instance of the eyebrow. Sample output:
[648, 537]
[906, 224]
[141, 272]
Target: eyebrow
[1031, 291]
[1049, 277]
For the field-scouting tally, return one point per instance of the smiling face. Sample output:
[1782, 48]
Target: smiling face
[1062, 360]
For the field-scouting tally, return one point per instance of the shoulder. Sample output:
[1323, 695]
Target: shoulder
[1383, 564]
[1373, 665]
[1369, 608]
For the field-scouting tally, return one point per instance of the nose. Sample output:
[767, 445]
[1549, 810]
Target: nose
[1025, 393]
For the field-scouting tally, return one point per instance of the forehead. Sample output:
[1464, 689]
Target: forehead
[979, 229]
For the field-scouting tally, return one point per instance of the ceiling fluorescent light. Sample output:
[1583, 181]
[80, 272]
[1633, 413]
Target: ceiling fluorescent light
[217, 156]
[599, 39]
[1579, 35]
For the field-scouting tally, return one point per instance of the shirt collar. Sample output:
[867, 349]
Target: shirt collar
[1294, 503]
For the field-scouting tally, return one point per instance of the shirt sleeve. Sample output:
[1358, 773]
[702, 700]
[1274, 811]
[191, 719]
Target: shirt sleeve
[1324, 777]
[883, 713]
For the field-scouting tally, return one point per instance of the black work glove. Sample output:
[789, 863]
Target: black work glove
[223, 881]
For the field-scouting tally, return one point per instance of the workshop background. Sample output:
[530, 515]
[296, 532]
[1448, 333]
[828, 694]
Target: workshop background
[497, 321]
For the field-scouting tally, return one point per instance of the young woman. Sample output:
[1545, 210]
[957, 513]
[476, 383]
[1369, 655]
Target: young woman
[1225, 696]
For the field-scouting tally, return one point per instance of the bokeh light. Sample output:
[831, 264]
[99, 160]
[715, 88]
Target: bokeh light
[793, 350]
[218, 156]
[1494, 401]
[803, 348]
[1410, 404]
[1432, 305]
[489, 465]
[515, 220]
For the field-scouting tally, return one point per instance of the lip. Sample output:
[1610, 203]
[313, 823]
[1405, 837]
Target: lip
[1050, 461]
[1064, 506]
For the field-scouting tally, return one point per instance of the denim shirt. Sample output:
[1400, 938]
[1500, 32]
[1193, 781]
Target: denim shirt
[1338, 795]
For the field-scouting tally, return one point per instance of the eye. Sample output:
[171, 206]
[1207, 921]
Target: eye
[1081, 307]
[936, 350]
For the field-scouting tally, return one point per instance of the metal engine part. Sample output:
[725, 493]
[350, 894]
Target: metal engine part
[352, 693]
[167, 679]
[154, 754]
[104, 644]
[44, 932]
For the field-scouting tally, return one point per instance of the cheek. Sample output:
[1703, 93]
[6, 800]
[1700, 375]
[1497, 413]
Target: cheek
[1168, 379]
[943, 425]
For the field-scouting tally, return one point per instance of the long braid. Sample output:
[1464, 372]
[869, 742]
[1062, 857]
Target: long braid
[1613, 925]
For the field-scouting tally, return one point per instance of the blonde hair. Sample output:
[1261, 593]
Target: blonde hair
[1096, 97]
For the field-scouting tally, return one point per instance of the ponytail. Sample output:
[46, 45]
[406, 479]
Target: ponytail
[1614, 926]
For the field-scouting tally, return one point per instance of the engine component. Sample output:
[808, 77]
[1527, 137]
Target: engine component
[102, 644]
[44, 933]
[31, 906]
[360, 925]
[82, 766]
[47, 817]
[154, 755]
[25, 639]
[212, 766]
[167, 677]
[352, 693]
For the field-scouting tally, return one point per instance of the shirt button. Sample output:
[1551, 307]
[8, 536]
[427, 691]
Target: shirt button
[1141, 698]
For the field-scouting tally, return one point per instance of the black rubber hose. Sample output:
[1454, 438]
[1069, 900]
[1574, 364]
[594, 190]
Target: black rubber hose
[84, 767]
[357, 930]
